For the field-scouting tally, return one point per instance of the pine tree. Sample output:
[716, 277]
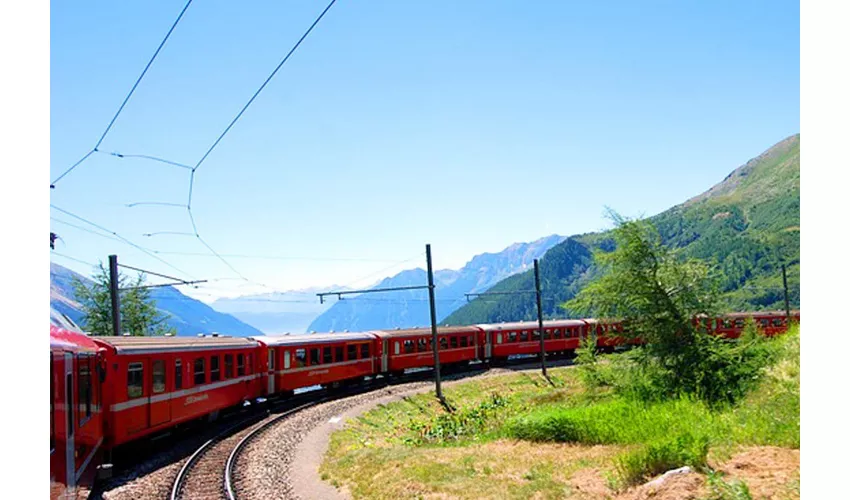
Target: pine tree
[139, 314]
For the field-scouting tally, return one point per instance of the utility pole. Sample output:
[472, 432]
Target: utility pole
[787, 303]
[113, 292]
[434, 341]
[540, 319]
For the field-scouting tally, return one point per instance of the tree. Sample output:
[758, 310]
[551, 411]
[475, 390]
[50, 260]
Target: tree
[657, 293]
[139, 315]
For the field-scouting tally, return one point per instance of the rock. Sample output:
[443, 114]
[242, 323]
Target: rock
[663, 477]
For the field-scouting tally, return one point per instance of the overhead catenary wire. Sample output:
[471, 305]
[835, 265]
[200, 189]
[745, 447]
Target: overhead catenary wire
[125, 240]
[127, 98]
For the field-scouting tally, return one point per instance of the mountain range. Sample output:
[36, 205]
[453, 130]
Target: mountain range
[747, 226]
[187, 315]
[409, 308]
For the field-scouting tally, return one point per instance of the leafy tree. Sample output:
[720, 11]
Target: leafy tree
[657, 293]
[139, 315]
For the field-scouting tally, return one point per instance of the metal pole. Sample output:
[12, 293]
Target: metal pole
[433, 322]
[540, 318]
[787, 304]
[113, 292]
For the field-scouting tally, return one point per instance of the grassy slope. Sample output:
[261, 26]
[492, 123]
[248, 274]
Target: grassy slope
[542, 440]
[747, 225]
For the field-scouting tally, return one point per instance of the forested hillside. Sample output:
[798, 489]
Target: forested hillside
[747, 226]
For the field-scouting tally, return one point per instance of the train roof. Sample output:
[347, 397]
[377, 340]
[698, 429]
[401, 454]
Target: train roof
[67, 340]
[410, 332]
[757, 314]
[521, 325]
[143, 345]
[312, 338]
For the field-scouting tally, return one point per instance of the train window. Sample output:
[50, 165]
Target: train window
[364, 351]
[523, 336]
[240, 365]
[408, 346]
[135, 379]
[200, 371]
[248, 365]
[764, 322]
[444, 344]
[228, 366]
[300, 357]
[547, 334]
[327, 355]
[556, 333]
[512, 337]
[314, 356]
[84, 387]
[498, 338]
[338, 354]
[464, 342]
[453, 342]
[397, 349]
[778, 321]
[286, 360]
[727, 323]
[422, 344]
[739, 323]
[352, 351]
[215, 373]
[178, 374]
[158, 372]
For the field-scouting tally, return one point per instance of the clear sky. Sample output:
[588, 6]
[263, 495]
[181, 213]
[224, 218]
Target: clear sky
[467, 125]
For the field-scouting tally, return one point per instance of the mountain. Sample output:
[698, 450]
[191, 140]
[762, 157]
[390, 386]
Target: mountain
[409, 308]
[187, 315]
[747, 226]
[277, 312]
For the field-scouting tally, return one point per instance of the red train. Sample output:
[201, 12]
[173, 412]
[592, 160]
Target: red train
[108, 391]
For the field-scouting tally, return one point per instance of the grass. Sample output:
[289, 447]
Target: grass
[516, 436]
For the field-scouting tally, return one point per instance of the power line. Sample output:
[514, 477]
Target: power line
[81, 228]
[149, 157]
[124, 103]
[73, 259]
[282, 257]
[251, 100]
[125, 240]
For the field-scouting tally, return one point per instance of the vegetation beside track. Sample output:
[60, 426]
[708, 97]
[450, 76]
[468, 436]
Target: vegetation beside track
[518, 436]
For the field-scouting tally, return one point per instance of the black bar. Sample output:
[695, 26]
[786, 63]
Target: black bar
[498, 293]
[540, 318]
[113, 292]
[349, 292]
[433, 323]
[150, 272]
[181, 282]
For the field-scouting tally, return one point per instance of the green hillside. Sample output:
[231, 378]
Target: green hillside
[747, 225]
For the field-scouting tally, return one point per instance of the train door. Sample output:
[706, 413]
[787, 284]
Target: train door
[271, 371]
[158, 402]
[136, 389]
[70, 411]
[384, 354]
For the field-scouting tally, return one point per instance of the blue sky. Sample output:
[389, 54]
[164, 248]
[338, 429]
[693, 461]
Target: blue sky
[467, 125]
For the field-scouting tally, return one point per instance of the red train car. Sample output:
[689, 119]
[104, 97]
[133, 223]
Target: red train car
[400, 350]
[732, 325]
[154, 383]
[296, 361]
[508, 339]
[76, 412]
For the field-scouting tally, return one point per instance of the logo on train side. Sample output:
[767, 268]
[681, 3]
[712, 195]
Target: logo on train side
[318, 372]
[195, 399]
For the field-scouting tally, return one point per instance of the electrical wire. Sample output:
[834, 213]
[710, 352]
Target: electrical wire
[125, 240]
[126, 99]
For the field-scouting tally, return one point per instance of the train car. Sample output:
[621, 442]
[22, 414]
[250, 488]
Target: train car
[331, 359]
[403, 349]
[76, 411]
[155, 383]
[609, 333]
[732, 325]
[502, 340]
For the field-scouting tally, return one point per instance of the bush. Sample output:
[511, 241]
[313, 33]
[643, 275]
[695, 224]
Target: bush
[662, 455]
[453, 426]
